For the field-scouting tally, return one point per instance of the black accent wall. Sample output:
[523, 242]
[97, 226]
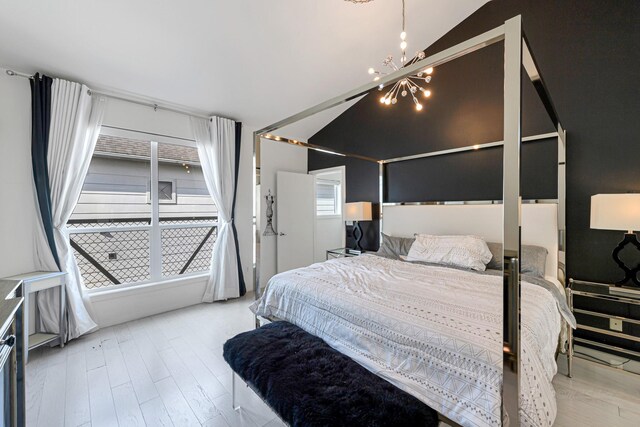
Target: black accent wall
[588, 53]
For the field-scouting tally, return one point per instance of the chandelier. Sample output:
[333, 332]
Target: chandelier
[409, 85]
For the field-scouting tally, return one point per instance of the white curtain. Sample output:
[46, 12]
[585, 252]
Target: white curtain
[215, 139]
[76, 117]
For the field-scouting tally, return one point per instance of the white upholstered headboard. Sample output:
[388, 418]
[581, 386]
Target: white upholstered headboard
[539, 224]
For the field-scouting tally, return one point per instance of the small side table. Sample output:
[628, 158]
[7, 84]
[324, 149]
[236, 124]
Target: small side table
[35, 282]
[340, 253]
[604, 297]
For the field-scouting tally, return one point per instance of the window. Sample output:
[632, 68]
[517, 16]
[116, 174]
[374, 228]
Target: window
[144, 214]
[328, 197]
[166, 192]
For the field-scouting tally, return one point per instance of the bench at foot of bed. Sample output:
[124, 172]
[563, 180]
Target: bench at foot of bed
[307, 383]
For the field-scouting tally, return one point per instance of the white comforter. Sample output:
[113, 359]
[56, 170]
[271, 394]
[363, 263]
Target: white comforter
[434, 332]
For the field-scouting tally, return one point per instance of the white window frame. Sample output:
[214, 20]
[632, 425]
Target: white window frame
[337, 203]
[155, 228]
[174, 193]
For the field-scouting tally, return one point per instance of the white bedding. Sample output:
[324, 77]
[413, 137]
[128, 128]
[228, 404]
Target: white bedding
[434, 332]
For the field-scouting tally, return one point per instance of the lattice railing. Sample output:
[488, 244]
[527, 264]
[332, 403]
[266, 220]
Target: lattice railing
[116, 256]
[187, 250]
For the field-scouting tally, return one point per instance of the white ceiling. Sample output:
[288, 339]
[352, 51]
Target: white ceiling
[258, 61]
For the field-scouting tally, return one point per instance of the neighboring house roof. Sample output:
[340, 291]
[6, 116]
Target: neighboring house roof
[133, 148]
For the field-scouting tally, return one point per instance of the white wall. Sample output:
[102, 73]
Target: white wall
[274, 156]
[127, 115]
[329, 235]
[17, 206]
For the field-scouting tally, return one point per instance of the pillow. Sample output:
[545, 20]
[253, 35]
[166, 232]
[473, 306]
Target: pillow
[534, 259]
[459, 251]
[394, 247]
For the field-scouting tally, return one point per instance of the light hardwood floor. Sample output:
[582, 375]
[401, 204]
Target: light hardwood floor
[168, 370]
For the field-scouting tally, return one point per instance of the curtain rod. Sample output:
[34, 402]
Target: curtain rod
[155, 105]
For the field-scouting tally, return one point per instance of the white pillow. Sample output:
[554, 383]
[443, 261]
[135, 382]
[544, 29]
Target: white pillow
[460, 251]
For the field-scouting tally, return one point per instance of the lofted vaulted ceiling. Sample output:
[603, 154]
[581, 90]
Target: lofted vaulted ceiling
[258, 61]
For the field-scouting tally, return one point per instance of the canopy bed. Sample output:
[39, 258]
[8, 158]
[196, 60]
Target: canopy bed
[363, 306]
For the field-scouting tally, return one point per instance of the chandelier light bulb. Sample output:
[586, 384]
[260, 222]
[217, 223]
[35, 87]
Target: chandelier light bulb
[405, 86]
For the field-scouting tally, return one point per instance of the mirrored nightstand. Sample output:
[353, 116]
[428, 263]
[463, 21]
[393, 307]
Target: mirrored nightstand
[342, 253]
[608, 317]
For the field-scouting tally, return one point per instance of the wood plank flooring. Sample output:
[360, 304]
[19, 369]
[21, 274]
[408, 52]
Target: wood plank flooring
[167, 370]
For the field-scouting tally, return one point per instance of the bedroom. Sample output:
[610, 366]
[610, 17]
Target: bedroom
[137, 346]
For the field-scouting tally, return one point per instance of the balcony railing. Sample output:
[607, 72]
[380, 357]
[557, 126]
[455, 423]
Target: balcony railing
[119, 251]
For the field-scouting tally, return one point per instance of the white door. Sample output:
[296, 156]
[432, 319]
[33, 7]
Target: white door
[295, 220]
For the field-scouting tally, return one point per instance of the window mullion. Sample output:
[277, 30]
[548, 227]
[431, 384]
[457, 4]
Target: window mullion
[156, 236]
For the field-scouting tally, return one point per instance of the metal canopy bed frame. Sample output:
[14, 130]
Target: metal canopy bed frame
[517, 55]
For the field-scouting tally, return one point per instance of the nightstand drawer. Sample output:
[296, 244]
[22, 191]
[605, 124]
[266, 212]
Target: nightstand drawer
[601, 324]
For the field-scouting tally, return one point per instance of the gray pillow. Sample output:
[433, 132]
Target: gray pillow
[393, 247]
[534, 259]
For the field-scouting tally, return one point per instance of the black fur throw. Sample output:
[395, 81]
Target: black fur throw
[309, 384]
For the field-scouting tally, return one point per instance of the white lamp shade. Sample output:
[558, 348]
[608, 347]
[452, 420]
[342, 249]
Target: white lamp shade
[615, 212]
[358, 211]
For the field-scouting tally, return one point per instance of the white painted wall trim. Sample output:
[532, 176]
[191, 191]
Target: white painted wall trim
[120, 291]
[114, 306]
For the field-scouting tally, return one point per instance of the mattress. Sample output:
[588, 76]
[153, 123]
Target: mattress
[432, 331]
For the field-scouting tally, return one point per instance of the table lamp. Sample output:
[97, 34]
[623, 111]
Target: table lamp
[357, 211]
[619, 212]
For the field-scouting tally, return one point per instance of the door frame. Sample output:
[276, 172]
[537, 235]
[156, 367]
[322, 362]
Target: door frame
[343, 190]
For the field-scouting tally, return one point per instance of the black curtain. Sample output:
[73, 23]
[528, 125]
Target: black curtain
[40, 121]
[243, 287]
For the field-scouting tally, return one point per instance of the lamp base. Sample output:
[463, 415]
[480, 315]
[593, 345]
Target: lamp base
[630, 274]
[357, 234]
